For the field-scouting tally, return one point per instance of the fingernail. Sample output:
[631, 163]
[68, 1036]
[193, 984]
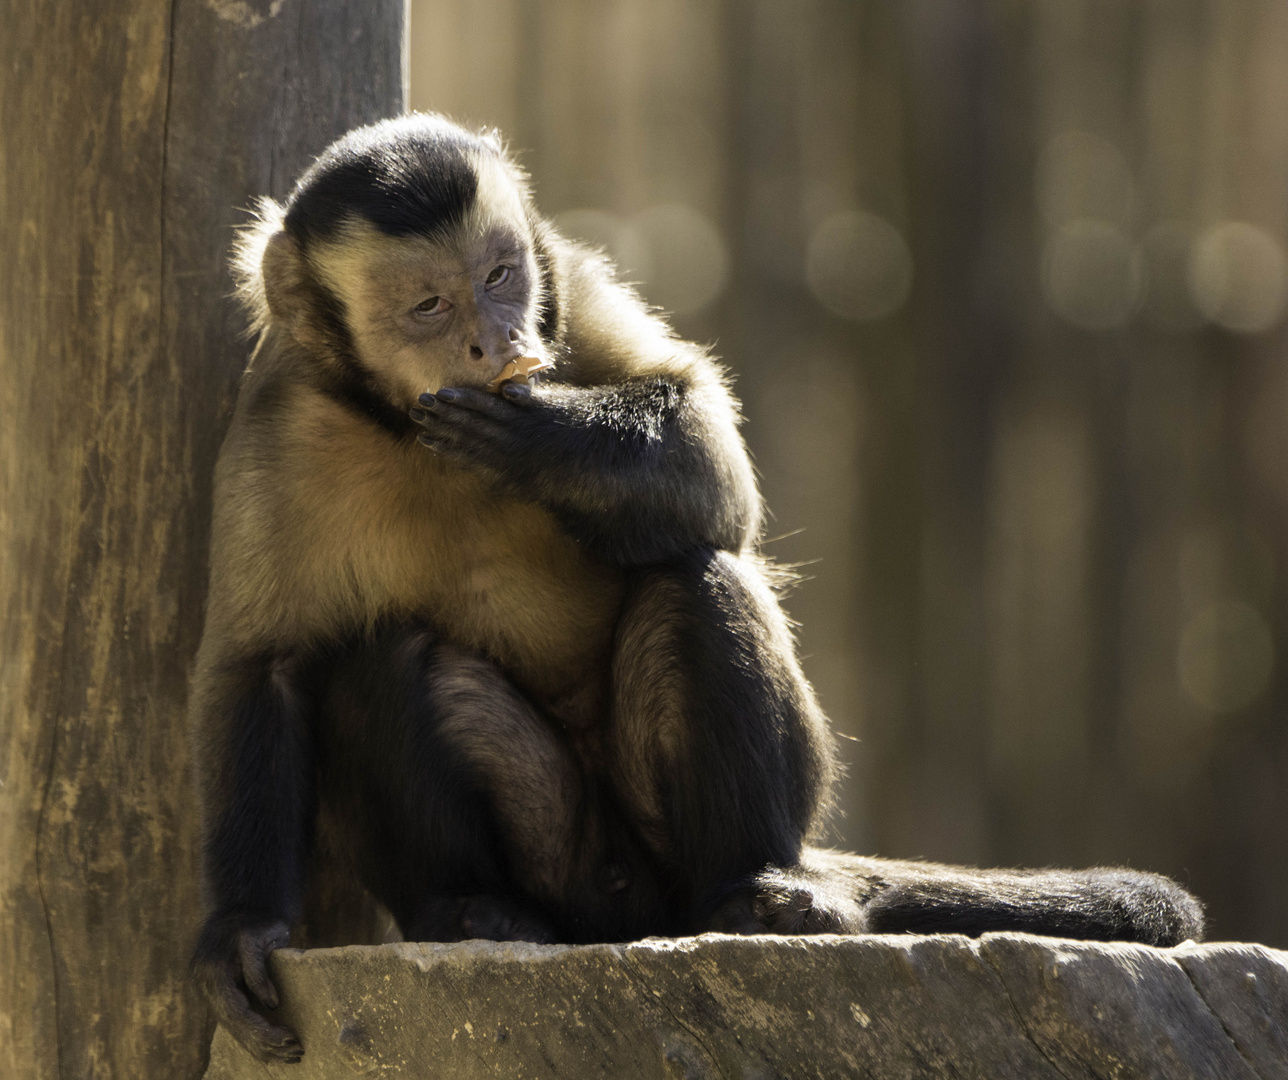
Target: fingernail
[419, 415]
[425, 440]
[448, 394]
[427, 400]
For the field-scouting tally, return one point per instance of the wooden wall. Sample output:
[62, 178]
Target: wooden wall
[135, 134]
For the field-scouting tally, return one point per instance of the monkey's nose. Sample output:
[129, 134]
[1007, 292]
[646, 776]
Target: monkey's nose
[497, 352]
[499, 355]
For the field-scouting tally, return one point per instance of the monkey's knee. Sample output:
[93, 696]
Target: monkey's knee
[719, 748]
[705, 663]
[531, 777]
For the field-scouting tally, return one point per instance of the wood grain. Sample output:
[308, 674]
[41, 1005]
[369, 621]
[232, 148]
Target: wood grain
[896, 1007]
[134, 133]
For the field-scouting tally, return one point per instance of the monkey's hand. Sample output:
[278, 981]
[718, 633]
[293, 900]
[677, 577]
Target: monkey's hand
[231, 963]
[495, 433]
[636, 471]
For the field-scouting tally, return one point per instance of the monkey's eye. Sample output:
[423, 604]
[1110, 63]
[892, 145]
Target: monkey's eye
[498, 276]
[435, 305]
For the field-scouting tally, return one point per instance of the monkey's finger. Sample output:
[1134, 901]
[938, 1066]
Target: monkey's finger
[253, 947]
[475, 401]
[452, 432]
[434, 442]
[447, 444]
[255, 972]
[268, 1042]
[471, 439]
[444, 418]
[264, 1039]
[518, 393]
[465, 429]
[271, 1043]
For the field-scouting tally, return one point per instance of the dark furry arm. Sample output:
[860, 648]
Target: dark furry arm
[258, 764]
[638, 471]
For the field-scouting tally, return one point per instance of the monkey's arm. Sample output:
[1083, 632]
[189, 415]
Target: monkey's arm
[257, 767]
[637, 471]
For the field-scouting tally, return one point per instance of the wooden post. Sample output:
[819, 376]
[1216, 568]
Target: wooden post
[134, 133]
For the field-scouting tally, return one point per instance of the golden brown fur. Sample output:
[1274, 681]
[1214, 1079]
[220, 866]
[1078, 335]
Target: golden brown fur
[322, 526]
[345, 528]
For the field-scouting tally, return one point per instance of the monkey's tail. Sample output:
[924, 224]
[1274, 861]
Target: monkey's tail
[1103, 904]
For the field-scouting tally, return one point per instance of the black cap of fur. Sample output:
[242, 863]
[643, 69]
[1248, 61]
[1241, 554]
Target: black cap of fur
[413, 175]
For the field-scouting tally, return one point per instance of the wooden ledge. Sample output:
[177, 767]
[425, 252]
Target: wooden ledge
[725, 1008]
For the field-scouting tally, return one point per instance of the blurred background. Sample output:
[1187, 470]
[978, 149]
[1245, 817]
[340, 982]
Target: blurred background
[1003, 288]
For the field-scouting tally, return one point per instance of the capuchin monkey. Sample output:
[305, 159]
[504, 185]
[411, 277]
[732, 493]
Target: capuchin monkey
[516, 645]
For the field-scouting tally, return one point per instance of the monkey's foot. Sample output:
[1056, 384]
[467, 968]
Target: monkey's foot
[494, 919]
[446, 917]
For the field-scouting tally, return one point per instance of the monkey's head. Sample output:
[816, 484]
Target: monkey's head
[408, 254]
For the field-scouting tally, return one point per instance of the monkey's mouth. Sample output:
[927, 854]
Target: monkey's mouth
[520, 369]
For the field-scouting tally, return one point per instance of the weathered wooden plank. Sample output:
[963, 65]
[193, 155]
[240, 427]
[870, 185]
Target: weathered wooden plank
[133, 132]
[1005, 1007]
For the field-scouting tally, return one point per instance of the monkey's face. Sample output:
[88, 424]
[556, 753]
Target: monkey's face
[423, 315]
[426, 313]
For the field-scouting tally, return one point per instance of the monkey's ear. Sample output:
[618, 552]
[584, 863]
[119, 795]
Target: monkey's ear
[286, 280]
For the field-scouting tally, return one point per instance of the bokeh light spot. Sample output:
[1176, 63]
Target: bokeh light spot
[1225, 657]
[687, 264]
[673, 252]
[858, 266]
[1080, 175]
[1091, 274]
[1239, 277]
[600, 229]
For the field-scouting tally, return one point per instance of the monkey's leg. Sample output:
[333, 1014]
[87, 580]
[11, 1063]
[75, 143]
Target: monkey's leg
[721, 756]
[470, 816]
[717, 746]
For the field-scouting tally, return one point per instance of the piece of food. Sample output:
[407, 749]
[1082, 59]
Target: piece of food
[519, 370]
